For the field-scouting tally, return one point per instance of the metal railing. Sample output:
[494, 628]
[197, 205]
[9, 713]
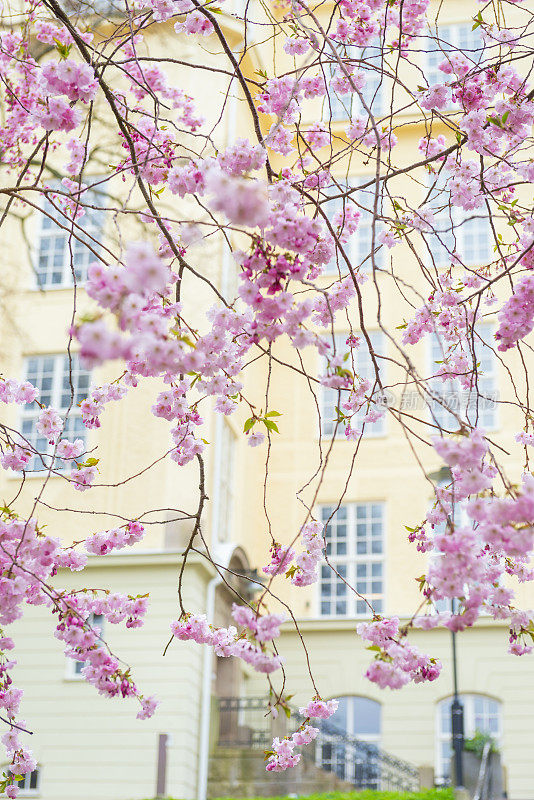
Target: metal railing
[243, 722]
[482, 787]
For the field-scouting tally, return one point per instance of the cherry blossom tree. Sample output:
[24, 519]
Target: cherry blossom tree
[93, 122]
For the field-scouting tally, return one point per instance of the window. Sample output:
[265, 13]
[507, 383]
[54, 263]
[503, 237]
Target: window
[356, 718]
[50, 374]
[98, 7]
[330, 398]
[452, 38]
[74, 668]
[481, 713]
[343, 107]
[226, 459]
[53, 268]
[331, 208]
[454, 230]
[465, 402]
[355, 548]
[363, 236]
[358, 248]
[460, 519]
[30, 783]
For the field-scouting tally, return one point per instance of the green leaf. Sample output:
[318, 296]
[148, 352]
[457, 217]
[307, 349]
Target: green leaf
[249, 424]
[270, 425]
[92, 462]
[478, 21]
[63, 49]
[187, 340]
[291, 571]
[273, 414]
[287, 711]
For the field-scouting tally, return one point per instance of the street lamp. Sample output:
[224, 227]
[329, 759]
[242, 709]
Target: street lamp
[457, 719]
[441, 477]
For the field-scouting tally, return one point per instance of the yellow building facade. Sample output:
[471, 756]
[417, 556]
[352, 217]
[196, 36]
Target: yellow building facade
[87, 746]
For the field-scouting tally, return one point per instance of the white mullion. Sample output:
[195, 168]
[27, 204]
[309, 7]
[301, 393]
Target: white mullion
[343, 561]
[356, 558]
[383, 534]
[66, 257]
[56, 388]
[56, 385]
[459, 227]
[40, 280]
[64, 373]
[469, 711]
[352, 554]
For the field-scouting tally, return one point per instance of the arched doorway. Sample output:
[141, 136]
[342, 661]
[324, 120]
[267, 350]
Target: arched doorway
[348, 744]
[481, 713]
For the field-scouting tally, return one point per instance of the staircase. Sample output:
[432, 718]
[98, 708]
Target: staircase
[335, 761]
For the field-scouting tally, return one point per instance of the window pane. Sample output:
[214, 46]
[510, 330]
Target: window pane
[58, 246]
[366, 716]
[355, 547]
[364, 368]
[50, 374]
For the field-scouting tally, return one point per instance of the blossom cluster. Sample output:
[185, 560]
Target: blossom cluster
[28, 560]
[301, 568]
[227, 642]
[396, 662]
[116, 539]
[282, 755]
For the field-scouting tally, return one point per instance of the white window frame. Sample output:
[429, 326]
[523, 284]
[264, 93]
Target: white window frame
[335, 106]
[351, 560]
[27, 792]
[364, 226]
[468, 701]
[488, 417]
[226, 470]
[94, 7]
[73, 667]
[462, 39]
[461, 228]
[372, 430]
[31, 412]
[40, 220]
[461, 519]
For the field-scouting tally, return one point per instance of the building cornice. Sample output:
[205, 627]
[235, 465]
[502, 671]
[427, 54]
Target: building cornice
[320, 625]
[151, 558]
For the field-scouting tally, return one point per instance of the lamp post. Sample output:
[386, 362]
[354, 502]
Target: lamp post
[457, 718]
[440, 478]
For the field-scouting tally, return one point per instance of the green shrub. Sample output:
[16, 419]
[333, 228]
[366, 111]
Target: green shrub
[425, 794]
[477, 743]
